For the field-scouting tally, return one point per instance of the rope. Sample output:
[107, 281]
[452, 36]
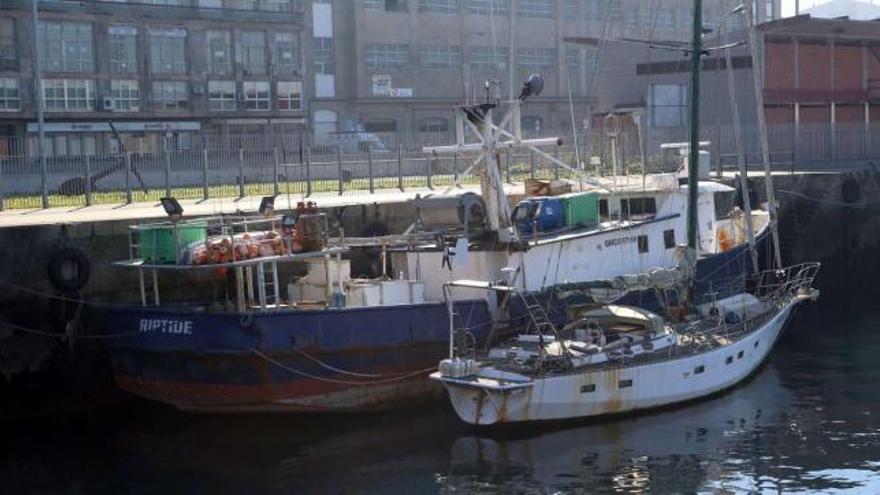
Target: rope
[340, 382]
[339, 370]
[864, 205]
[49, 295]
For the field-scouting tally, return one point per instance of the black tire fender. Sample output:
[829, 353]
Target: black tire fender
[69, 269]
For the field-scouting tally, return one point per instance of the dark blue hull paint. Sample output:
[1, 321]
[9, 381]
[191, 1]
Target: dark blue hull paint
[331, 359]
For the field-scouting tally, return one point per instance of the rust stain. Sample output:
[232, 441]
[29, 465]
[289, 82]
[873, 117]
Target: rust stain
[612, 384]
[478, 411]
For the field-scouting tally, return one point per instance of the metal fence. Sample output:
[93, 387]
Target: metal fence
[401, 164]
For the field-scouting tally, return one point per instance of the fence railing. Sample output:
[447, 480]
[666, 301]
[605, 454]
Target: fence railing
[220, 171]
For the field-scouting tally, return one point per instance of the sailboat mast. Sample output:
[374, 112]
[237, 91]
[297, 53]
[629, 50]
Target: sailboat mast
[694, 147]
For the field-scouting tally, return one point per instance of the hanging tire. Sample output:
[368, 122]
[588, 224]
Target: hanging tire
[69, 270]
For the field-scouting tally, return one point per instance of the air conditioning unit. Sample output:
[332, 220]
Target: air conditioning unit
[107, 103]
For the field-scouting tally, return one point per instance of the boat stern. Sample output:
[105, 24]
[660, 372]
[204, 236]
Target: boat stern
[487, 401]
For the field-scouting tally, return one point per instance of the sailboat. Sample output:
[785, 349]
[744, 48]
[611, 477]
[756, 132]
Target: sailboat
[612, 359]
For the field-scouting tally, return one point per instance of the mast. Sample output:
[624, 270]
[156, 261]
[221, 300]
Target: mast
[694, 148]
[757, 76]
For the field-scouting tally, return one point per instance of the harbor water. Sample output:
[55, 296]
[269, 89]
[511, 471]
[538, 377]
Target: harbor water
[808, 421]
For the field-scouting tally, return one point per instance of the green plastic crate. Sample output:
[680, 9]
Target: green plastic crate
[581, 209]
[157, 243]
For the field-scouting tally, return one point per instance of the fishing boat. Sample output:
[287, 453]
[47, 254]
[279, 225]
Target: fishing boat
[612, 359]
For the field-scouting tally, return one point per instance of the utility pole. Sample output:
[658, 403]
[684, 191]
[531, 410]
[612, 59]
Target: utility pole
[38, 75]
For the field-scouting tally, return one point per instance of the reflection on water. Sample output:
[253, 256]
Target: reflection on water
[806, 422]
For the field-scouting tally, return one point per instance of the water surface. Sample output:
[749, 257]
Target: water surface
[806, 422]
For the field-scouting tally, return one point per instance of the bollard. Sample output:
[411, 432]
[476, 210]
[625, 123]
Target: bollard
[399, 168]
[275, 164]
[241, 173]
[339, 170]
[88, 183]
[205, 174]
[370, 165]
[308, 171]
[167, 174]
[128, 178]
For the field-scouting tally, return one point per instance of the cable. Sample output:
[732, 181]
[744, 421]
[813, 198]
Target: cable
[339, 382]
[65, 336]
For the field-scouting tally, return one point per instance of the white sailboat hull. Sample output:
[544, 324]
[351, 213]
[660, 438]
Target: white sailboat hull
[618, 390]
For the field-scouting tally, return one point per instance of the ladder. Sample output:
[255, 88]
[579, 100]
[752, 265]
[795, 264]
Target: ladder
[538, 320]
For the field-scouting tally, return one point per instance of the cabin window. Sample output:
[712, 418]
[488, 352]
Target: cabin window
[643, 243]
[729, 359]
[637, 207]
[603, 208]
[756, 344]
[625, 383]
[724, 203]
[669, 238]
[739, 355]
[585, 389]
[699, 369]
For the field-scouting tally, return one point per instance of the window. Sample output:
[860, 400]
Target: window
[386, 5]
[287, 59]
[168, 51]
[66, 46]
[381, 126]
[638, 206]
[10, 97]
[728, 360]
[585, 389]
[8, 46]
[667, 105]
[439, 6]
[699, 369]
[289, 95]
[487, 58]
[69, 95]
[252, 53]
[170, 95]
[756, 344]
[280, 5]
[126, 96]
[573, 58]
[380, 55]
[725, 201]
[122, 44]
[625, 383]
[536, 59]
[441, 57]
[542, 9]
[256, 95]
[323, 47]
[434, 124]
[571, 9]
[739, 355]
[603, 208]
[221, 96]
[532, 124]
[669, 238]
[643, 243]
[489, 7]
[219, 52]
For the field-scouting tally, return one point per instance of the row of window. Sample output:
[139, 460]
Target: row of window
[69, 47]
[544, 9]
[78, 95]
[698, 370]
[387, 55]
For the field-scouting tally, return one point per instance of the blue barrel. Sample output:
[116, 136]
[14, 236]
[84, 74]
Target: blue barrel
[547, 213]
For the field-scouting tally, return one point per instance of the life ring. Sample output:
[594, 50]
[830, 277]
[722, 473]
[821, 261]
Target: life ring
[69, 269]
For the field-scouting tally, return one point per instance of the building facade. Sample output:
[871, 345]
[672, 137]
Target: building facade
[400, 65]
[165, 74]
